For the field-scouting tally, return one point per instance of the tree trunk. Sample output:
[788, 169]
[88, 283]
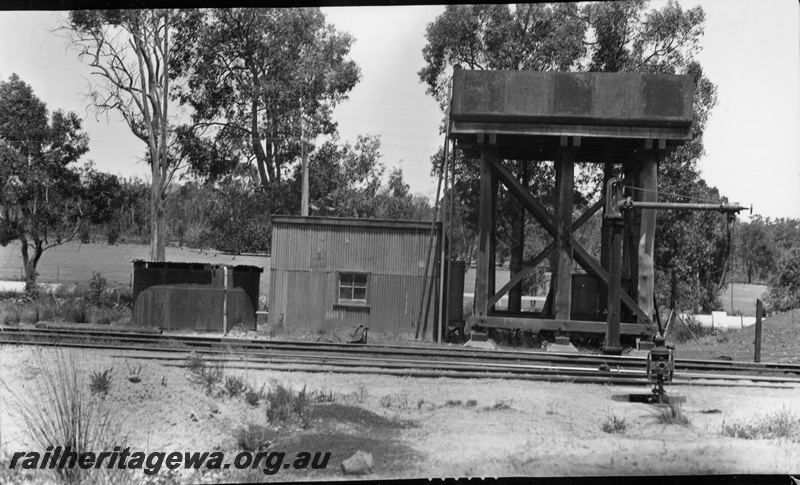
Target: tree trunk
[158, 226]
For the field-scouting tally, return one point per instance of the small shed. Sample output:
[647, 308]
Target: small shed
[195, 296]
[337, 273]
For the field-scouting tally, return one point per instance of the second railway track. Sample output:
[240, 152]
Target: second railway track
[402, 360]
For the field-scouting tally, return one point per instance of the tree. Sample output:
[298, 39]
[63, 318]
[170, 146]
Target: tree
[598, 36]
[344, 179]
[755, 248]
[44, 199]
[783, 293]
[248, 76]
[130, 51]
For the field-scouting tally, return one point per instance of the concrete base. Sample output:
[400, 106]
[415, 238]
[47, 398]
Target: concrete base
[480, 341]
[644, 344]
[562, 348]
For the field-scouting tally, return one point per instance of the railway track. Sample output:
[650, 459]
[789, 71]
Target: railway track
[401, 360]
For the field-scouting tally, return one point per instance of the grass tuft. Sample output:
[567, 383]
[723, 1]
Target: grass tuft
[614, 424]
[76, 311]
[253, 396]
[100, 382]
[57, 411]
[360, 393]
[781, 424]
[209, 376]
[195, 363]
[253, 437]
[324, 395]
[671, 413]
[398, 400]
[235, 385]
[285, 405]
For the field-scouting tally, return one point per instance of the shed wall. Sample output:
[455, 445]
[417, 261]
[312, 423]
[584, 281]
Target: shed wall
[307, 259]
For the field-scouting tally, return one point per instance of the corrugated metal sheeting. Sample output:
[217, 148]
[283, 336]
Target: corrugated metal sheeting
[309, 253]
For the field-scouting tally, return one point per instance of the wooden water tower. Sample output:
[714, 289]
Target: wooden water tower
[627, 119]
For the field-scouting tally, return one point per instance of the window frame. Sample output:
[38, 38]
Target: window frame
[345, 302]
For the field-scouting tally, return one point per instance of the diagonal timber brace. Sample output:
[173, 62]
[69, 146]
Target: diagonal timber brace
[534, 262]
[541, 214]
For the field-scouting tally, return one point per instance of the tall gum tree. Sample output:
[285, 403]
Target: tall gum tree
[248, 76]
[129, 53]
[598, 36]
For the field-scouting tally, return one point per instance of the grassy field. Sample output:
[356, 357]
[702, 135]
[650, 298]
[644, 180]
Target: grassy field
[744, 298]
[74, 262]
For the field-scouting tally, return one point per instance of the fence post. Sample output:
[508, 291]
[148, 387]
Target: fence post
[759, 312]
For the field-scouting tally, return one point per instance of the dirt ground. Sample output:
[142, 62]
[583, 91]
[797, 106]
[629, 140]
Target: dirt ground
[423, 427]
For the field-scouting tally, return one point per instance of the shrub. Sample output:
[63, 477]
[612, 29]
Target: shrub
[58, 412]
[781, 424]
[671, 413]
[85, 235]
[100, 382]
[11, 315]
[97, 289]
[285, 405]
[253, 437]
[240, 224]
[235, 385]
[614, 424]
[324, 395]
[209, 376]
[397, 400]
[112, 235]
[783, 293]
[75, 311]
[196, 363]
[253, 396]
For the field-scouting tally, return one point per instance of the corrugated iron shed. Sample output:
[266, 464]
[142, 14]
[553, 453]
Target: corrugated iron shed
[311, 255]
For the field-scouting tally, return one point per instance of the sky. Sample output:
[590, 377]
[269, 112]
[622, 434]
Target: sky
[750, 50]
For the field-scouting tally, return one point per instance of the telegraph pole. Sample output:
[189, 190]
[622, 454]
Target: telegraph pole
[304, 200]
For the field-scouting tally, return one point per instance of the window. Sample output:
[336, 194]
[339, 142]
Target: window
[353, 288]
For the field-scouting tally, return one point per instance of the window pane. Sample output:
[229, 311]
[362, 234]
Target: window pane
[360, 294]
[346, 279]
[345, 293]
[360, 280]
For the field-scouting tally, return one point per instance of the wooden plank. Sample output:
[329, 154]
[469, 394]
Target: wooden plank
[647, 233]
[482, 262]
[565, 187]
[491, 282]
[547, 221]
[759, 314]
[555, 325]
[531, 264]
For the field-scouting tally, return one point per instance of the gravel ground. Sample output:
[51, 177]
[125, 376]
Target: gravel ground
[448, 427]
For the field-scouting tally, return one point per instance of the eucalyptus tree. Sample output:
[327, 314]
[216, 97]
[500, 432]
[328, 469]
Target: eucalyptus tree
[250, 76]
[129, 52]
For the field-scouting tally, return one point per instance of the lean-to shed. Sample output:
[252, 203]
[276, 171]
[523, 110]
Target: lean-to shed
[336, 273]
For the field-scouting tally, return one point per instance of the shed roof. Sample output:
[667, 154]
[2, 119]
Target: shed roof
[351, 222]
